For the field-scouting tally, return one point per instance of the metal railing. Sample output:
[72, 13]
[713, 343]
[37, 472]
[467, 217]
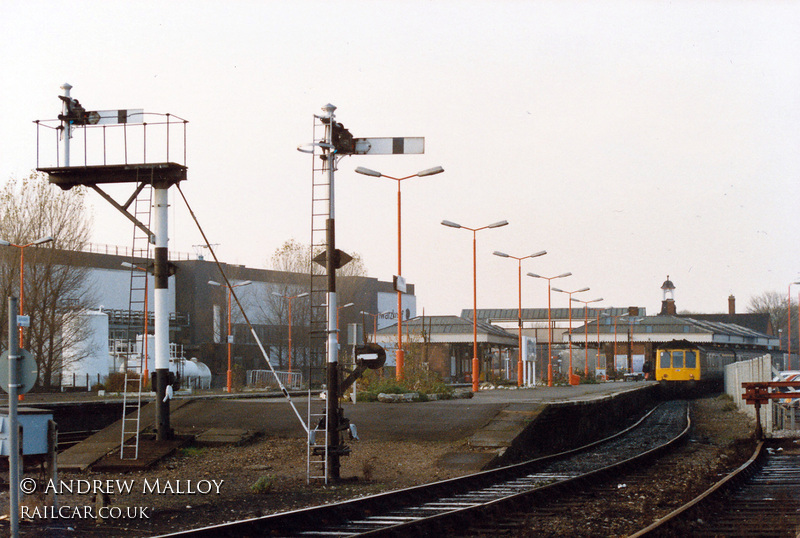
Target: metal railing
[114, 144]
[264, 379]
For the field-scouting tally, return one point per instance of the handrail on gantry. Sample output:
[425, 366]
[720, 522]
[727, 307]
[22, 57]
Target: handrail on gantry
[101, 148]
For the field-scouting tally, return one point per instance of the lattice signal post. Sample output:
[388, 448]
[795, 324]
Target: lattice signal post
[99, 168]
[337, 142]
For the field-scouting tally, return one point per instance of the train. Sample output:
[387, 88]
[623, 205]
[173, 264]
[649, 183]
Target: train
[682, 365]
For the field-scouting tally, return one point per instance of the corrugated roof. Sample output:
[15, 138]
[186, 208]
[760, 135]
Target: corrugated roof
[452, 325]
[539, 314]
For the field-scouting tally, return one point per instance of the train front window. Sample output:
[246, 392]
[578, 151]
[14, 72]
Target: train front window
[664, 359]
[677, 359]
[691, 359]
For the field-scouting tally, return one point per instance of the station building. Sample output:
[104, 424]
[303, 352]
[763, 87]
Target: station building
[199, 310]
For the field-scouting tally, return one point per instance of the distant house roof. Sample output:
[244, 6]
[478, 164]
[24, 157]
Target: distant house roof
[669, 328]
[449, 329]
[757, 322]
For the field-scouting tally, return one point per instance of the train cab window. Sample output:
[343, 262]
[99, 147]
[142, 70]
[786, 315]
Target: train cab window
[677, 359]
[664, 359]
[691, 359]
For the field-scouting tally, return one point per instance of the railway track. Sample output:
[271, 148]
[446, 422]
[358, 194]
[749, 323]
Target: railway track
[760, 498]
[451, 506]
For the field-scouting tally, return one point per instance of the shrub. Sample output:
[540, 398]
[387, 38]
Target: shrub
[263, 484]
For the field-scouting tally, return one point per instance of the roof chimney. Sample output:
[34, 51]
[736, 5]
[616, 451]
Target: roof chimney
[731, 305]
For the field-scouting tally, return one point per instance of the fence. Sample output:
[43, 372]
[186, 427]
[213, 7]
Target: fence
[265, 379]
[780, 417]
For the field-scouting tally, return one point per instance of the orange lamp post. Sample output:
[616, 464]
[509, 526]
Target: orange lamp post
[519, 311]
[290, 299]
[586, 331]
[400, 356]
[573, 379]
[22, 248]
[230, 336]
[476, 364]
[549, 325]
[374, 322]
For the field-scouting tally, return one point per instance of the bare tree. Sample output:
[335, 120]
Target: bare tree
[295, 257]
[777, 305]
[55, 290]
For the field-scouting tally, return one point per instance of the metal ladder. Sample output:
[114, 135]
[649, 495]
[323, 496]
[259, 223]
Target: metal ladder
[136, 363]
[317, 463]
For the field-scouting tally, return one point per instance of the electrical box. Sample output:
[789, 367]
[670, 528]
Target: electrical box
[34, 430]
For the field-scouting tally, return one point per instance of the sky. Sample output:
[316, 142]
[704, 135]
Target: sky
[631, 139]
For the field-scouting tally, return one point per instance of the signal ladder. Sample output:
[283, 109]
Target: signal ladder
[136, 363]
[318, 442]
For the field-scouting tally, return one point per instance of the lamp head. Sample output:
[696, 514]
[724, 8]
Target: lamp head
[498, 224]
[537, 254]
[368, 172]
[431, 171]
[501, 254]
[43, 240]
[451, 224]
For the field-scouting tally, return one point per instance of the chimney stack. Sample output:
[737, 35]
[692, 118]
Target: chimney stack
[731, 305]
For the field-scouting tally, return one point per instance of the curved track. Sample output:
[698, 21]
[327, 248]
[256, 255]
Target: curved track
[760, 498]
[449, 506]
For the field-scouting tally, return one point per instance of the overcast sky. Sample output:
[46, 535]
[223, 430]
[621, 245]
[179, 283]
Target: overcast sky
[631, 140]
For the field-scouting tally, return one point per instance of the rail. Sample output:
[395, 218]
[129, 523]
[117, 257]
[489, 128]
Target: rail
[448, 506]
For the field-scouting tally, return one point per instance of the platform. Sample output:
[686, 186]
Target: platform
[162, 174]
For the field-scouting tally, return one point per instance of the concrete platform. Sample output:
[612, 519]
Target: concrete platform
[492, 422]
[83, 455]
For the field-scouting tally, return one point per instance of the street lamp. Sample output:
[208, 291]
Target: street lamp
[519, 311]
[22, 248]
[586, 331]
[400, 356]
[374, 321]
[230, 336]
[290, 298]
[549, 326]
[475, 361]
[571, 377]
[146, 351]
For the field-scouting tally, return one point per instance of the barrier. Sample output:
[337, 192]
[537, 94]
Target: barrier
[264, 379]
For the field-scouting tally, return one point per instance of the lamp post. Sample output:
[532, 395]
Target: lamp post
[145, 351]
[230, 336]
[519, 310]
[374, 321]
[290, 298]
[475, 361]
[571, 377]
[586, 331]
[788, 322]
[549, 325]
[400, 356]
[22, 248]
